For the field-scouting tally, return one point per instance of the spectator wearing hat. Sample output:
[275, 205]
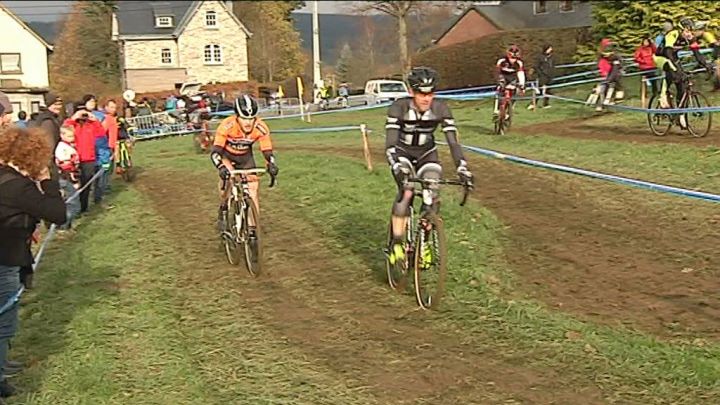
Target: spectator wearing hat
[48, 118]
[545, 70]
[27, 194]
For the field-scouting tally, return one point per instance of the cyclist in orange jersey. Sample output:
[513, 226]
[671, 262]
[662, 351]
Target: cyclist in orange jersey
[232, 148]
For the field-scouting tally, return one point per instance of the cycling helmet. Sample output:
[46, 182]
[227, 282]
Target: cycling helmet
[423, 79]
[513, 52]
[687, 23]
[246, 107]
[700, 25]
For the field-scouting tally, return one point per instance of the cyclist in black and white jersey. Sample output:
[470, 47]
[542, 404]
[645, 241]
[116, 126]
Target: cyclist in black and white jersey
[411, 148]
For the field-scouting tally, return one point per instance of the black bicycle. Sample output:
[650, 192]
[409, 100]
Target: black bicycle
[242, 235]
[425, 247]
[698, 123]
[504, 106]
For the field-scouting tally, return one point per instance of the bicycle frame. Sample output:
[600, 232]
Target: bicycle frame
[240, 193]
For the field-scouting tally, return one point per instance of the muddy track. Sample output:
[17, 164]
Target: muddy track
[364, 332]
[588, 128]
[603, 252]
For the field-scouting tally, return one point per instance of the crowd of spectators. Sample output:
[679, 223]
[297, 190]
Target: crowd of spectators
[44, 161]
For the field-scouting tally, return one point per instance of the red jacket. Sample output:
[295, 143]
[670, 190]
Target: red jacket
[644, 57]
[85, 134]
[605, 66]
[111, 125]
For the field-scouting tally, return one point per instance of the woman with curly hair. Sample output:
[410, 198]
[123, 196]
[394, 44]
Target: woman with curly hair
[27, 195]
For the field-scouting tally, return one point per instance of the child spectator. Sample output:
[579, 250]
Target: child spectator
[68, 163]
[644, 57]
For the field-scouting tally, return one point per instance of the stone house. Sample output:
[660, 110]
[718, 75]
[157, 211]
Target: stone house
[23, 64]
[489, 17]
[164, 43]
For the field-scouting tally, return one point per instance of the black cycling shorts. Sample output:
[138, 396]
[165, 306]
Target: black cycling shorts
[417, 158]
[240, 162]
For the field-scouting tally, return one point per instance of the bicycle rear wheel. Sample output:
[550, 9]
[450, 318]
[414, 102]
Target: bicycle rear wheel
[231, 234]
[430, 264]
[252, 244]
[699, 123]
[659, 123]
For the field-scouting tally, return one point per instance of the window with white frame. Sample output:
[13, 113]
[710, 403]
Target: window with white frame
[164, 21]
[566, 6]
[211, 19]
[540, 7]
[212, 55]
[165, 56]
[10, 63]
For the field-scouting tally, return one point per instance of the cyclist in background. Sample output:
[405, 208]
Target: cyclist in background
[232, 149]
[674, 41]
[510, 73]
[410, 147]
[704, 38]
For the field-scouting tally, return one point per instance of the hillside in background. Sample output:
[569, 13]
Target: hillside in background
[47, 30]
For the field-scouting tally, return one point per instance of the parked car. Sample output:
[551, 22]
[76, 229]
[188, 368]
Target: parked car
[380, 91]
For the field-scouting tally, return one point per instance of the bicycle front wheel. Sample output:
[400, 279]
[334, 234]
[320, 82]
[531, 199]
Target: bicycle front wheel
[430, 262]
[699, 123]
[252, 241]
[231, 233]
[659, 123]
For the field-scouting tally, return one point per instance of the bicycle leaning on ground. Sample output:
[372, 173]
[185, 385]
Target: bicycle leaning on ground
[238, 236]
[698, 123]
[425, 245]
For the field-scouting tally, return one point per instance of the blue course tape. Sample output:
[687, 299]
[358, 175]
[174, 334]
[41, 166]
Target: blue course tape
[359, 108]
[317, 129]
[643, 110]
[602, 176]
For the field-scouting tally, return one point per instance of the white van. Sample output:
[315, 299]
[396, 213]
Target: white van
[380, 91]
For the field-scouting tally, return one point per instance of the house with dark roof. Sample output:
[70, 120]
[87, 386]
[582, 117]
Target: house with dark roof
[23, 63]
[163, 43]
[489, 17]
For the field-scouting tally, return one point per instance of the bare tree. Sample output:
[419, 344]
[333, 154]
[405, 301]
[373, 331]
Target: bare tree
[399, 10]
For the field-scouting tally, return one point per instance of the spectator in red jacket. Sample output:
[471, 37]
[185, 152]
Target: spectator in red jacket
[644, 58]
[87, 129]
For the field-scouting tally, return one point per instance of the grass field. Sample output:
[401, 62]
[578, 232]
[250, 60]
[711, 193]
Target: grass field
[562, 289]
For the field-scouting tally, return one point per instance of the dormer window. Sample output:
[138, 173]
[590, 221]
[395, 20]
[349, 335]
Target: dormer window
[163, 21]
[211, 19]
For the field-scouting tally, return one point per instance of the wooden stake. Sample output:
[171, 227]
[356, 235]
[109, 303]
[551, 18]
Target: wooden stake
[643, 91]
[366, 146]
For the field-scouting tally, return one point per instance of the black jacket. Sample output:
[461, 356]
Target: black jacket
[22, 205]
[545, 67]
[50, 123]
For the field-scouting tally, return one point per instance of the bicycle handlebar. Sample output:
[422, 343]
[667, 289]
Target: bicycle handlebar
[244, 172]
[467, 185]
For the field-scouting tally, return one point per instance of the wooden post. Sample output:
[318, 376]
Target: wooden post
[308, 113]
[643, 91]
[535, 90]
[366, 146]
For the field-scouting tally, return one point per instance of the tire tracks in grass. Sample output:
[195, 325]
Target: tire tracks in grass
[336, 314]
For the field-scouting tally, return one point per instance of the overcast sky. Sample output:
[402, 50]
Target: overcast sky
[53, 10]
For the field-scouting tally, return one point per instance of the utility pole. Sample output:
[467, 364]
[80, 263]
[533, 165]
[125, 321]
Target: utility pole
[317, 78]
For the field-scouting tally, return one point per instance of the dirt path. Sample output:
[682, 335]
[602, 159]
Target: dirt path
[592, 128]
[363, 332]
[604, 252]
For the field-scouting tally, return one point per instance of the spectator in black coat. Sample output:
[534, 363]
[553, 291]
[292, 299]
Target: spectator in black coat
[27, 194]
[545, 71]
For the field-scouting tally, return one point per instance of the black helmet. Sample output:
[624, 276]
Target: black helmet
[423, 79]
[687, 23]
[246, 107]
